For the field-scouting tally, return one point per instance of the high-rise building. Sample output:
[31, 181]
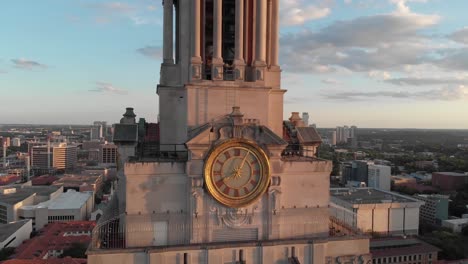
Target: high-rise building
[346, 134]
[108, 153]
[305, 118]
[229, 180]
[60, 156]
[16, 142]
[98, 130]
[64, 156]
[435, 208]
[379, 176]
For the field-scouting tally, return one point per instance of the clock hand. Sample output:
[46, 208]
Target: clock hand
[243, 160]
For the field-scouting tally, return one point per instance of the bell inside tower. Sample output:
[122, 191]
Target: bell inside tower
[229, 34]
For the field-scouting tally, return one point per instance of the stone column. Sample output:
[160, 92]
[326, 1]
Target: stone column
[260, 51]
[218, 63]
[168, 42]
[196, 71]
[239, 63]
[275, 33]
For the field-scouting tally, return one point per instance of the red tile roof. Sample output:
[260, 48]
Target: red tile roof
[66, 260]
[55, 236]
[9, 179]
[44, 180]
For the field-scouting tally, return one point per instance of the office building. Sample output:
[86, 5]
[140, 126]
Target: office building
[379, 212]
[230, 181]
[14, 233]
[449, 181]
[64, 156]
[61, 156]
[435, 208]
[456, 225]
[108, 154]
[379, 176]
[16, 142]
[98, 130]
[13, 197]
[67, 206]
[305, 118]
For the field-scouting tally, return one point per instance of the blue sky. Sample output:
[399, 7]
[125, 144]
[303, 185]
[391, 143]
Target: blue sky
[371, 63]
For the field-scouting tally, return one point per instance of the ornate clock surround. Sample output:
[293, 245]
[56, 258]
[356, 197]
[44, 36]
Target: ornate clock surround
[245, 162]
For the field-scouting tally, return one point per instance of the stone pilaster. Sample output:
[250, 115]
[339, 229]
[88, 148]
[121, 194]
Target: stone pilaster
[218, 62]
[260, 52]
[168, 32]
[239, 63]
[196, 61]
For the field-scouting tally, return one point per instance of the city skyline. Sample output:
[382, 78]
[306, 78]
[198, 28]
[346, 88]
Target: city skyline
[76, 62]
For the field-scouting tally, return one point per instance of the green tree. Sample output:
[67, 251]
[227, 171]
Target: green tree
[5, 253]
[77, 250]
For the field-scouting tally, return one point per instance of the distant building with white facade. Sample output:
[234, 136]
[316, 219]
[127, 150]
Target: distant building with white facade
[379, 176]
[13, 197]
[14, 233]
[16, 142]
[305, 118]
[68, 206]
[456, 225]
[379, 212]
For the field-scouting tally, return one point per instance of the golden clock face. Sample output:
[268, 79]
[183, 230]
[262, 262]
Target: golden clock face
[237, 173]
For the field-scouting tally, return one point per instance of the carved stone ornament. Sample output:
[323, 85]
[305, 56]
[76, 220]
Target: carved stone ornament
[236, 217]
[349, 259]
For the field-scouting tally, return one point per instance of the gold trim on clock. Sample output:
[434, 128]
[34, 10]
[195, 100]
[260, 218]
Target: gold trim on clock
[237, 173]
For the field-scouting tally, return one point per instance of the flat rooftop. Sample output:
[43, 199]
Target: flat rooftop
[68, 200]
[399, 246]
[23, 192]
[452, 174]
[6, 230]
[369, 196]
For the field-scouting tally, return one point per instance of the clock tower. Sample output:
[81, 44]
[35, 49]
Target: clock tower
[227, 180]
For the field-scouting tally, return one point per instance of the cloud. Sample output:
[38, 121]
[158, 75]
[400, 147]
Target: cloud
[379, 42]
[425, 81]
[402, 6]
[153, 52]
[28, 64]
[454, 60]
[448, 93]
[113, 7]
[460, 36]
[298, 12]
[3, 72]
[331, 81]
[104, 87]
[137, 13]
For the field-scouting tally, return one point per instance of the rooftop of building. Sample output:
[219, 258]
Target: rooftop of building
[55, 236]
[6, 230]
[67, 200]
[455, 174]
[394, 246]
[8, 179]
[20, 193]
[66, 260]
[44, 179]
[78, 179]
[432, 196]
[458, 221]
[369, 196]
